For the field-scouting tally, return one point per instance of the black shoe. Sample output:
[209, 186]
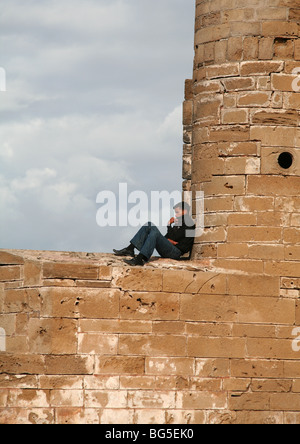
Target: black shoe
[136, 262]
[125, 252]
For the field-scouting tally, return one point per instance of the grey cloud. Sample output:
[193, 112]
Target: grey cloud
[94, 92]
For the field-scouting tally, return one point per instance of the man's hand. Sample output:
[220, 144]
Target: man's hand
[173, 220]
[173, 242]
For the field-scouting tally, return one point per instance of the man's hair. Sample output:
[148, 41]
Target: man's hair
[183, 206]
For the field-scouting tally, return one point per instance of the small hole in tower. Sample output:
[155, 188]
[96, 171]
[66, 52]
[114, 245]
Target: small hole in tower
[281, 41]
[285, 160]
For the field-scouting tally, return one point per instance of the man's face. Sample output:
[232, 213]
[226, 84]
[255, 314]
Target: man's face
[179, 212]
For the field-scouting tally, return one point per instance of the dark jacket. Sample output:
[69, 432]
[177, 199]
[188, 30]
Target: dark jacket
[183, 232]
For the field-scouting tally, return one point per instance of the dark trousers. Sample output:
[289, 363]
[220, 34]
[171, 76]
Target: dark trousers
[150, 238]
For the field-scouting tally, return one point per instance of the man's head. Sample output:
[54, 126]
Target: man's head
[181, 209]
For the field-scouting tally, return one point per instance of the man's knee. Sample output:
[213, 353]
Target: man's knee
[152, 228]
[150, 225]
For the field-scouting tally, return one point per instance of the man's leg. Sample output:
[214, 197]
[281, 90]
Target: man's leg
[140, 238]
[150, 238]
[137, 242]
[166, 249]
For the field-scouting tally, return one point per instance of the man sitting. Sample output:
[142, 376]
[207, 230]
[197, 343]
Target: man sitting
[178, 241]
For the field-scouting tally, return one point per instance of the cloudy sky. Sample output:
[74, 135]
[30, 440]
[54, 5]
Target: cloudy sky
[94, 92]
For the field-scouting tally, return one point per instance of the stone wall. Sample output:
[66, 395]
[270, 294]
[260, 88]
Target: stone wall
[242, 136]
[86, 339]
[89, 340]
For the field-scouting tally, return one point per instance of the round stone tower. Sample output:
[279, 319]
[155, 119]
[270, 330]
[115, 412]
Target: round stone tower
[241, 131]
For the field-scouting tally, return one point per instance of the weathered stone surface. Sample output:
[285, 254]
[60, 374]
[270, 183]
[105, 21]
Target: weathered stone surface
[85, 339]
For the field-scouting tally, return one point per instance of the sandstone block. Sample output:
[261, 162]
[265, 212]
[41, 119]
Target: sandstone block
[257, 368]
[149, 416]
[266, 310]
[163, 306]
[60, 382]
[77, 415]
[285, 401]
[97, 343]
[205, 307]
[202, 400]
[114, 326]
[273, 385]
[224, 70]
[8, 322]
[280, 29]
[254, 285]
[116, 365]
[190, 282]
[230, 185]
[106, 399]
[208, 108]
[266, 48]
[238, 15]
[216, 347]
[158, 345]
[284, 48]
[220, 51]
[254, 330]
[254, 234]
[10, 273]
[211, 34]
[274, 13]
[78, 302]
[7, 258]
[292, 253]
[273, 185]
[57, 336]
[251, 48]
[261, 68]
[233, 250]
[69, 271]
[212, 368]
[139, 279]
[249, 401]
[283, 268]
[105, 273]
[255, 203]
[242, 219]
[151, 400]
[254, 99]
[235, 48]
[22, 301]
[232, 134]
[267, 252]
[188, 112]
[283, 82]
[213, 234]
[32, 274]
[244, 265]
[297, 50]
[137, 382]
[286, 118]
[21, 398]
[234, 116]
[20, 364]
[265, 348]
[66, 398]
[239, 83]
[68, 365]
